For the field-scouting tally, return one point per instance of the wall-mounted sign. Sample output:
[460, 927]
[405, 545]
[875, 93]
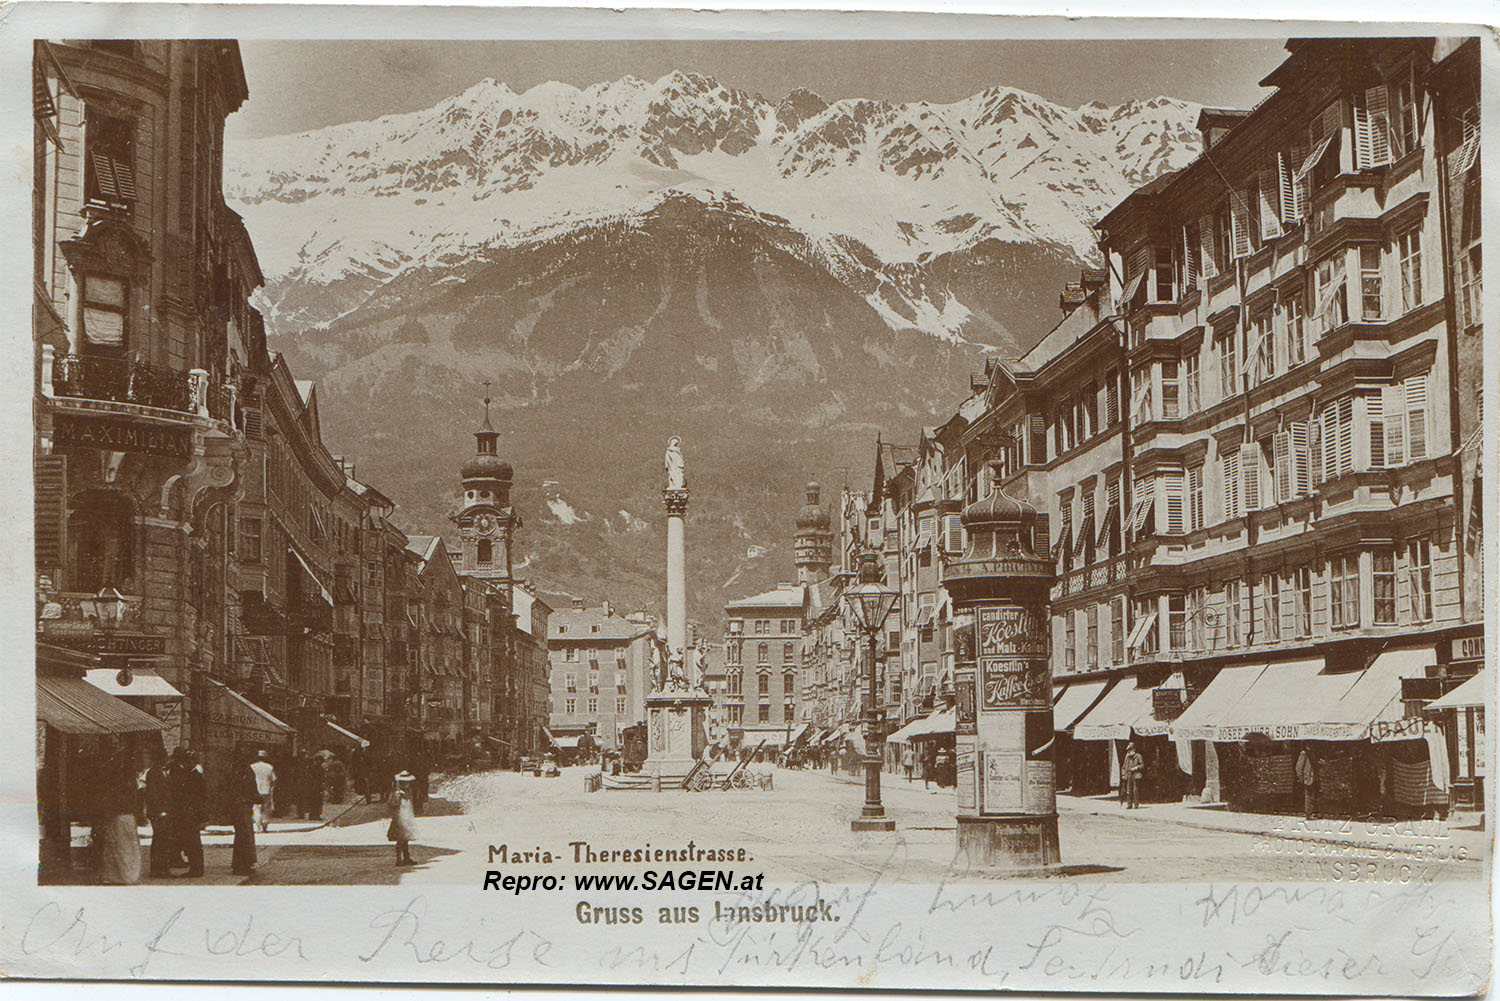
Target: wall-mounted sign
[112, 434]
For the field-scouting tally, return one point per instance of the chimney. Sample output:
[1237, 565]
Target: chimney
[1092, 280]
[608, 608]
[1071, 298]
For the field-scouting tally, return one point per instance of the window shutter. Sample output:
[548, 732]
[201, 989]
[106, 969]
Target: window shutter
[1281, 447]
[1314, 453]
[1239, 222]
[1332, 120]
[1195, 496]
[1298, 440]
[1112, 393]
[1346, 435]
[1393, 410]
[1206, 244]
[1292, 192]
[1371, 130]
[1270, 205]
[1040, 543]
[1416, 416]
[1038, 448]
[1376, 424]
[1250, 474]
[1231, 468]
[1172, 487]
[253, 426]
[1189, 260]
[954, 529]
[1139, 259]
[50, 510]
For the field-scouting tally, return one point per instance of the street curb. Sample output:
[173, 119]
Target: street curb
[1320, 836]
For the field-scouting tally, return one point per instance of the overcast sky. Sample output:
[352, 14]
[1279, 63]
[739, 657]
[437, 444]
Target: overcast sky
[308, 84]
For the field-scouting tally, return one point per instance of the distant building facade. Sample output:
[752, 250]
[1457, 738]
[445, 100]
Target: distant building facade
[600, 663]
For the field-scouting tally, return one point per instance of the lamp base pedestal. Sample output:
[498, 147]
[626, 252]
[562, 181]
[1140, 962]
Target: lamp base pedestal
[872, 824]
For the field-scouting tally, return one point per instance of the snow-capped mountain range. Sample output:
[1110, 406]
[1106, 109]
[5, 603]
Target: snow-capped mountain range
[876, 191]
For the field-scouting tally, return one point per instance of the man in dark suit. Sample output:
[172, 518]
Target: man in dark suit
[243, 797]
[189, 807]
[158, 811]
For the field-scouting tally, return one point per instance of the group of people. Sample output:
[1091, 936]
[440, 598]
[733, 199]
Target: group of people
[173, 795]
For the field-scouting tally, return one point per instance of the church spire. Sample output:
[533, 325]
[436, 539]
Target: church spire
[486, 435]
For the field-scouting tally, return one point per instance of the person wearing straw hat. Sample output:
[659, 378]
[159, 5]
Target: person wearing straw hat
[403, 817]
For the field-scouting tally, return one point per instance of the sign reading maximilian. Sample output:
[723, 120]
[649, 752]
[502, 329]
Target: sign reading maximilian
[114, 435]
[1012, 659]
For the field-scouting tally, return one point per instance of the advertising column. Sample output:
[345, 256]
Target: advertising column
[1007, 806]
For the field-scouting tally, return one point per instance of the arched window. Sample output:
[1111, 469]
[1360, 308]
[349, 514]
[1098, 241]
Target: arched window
[763, 653]
[486, 552]
[101, 542]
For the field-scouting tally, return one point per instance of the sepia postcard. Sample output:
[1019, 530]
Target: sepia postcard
[748, 498]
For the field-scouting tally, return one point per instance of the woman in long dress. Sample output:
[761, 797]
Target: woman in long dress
[403, 818]
[115, 837]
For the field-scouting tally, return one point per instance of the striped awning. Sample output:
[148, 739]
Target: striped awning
[72, 705]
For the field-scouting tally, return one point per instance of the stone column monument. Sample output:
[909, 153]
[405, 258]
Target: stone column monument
[676, 711]
[1006, 783]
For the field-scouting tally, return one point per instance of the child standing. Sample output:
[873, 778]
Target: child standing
[403, 818]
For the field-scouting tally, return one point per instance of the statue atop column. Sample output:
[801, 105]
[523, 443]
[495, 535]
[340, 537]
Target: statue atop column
[676, 478]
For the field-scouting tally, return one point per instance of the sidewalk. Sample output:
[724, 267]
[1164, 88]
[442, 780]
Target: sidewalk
[1459, 831]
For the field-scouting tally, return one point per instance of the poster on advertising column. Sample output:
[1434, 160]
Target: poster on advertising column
[1004, 775]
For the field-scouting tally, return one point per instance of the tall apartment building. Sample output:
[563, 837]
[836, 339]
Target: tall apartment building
[600, 665]
[762, 664]
[1255, 448]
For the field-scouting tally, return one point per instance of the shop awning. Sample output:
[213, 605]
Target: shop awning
[235, 716]
[1298, 700]
[142, 683]
[348, 735]
[72, 705]
[1469, 695]
[799, 733]
[772, 738]
[1375, 696]
[1115, 715]
[1199, 720]
[902, 735]
[1074, 701]
[939, 724]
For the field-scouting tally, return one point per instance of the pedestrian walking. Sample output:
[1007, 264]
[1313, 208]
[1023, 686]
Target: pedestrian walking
[314, 782]
[1307, 778]
[244, 795]
[1135, 770]
[158, 813]
[265, 788]
[403, 828]
[115, 841]
[423, 780]
[189, 807]
[908, 760]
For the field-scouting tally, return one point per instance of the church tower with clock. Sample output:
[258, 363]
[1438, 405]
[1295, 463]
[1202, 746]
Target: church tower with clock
[486, 520]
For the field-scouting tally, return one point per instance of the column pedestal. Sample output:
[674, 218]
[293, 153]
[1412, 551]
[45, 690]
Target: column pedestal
[676, 734]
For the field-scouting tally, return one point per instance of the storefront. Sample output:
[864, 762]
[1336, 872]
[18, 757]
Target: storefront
[1252, 721]
[1460, 717]
[238, 728]
[83, 737]
[1083, 768]
[1128, 714]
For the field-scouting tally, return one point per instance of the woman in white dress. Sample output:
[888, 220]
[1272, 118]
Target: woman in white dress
[115, 838]
[403, 818]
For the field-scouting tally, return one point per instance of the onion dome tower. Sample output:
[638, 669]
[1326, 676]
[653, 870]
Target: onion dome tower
[813, 543]
[486, 519]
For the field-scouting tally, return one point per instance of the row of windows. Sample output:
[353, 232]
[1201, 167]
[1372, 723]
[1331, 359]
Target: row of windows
[596, 682]
[764, 627]
[735, 715]
[736, 685]
[733, 653]
[570, 706]
[570, 654]
[1396, 579]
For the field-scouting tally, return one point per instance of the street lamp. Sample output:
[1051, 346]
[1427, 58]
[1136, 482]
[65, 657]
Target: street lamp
[866, 606]
[107, 608]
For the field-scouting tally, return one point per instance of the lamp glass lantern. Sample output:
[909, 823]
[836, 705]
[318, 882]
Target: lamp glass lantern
[106, 608]
[869, 604]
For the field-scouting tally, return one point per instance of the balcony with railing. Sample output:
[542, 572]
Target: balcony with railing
[159, 392]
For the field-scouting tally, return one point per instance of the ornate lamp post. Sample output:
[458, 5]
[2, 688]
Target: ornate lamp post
[107, 608]
[866, 605]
